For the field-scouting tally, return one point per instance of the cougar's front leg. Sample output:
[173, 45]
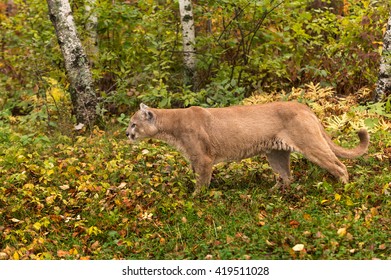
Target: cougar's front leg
[202, 167]
[279, 160]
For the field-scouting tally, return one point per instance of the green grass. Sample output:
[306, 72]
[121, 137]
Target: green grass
[97, 197]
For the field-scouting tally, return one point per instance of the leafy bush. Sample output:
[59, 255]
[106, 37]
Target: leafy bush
[242, 47]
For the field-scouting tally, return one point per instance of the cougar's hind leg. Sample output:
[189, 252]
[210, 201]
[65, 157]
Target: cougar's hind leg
[279, 160]
[313, 145]
[323, 156]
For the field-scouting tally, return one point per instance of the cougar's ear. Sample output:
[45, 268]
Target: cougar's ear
[143, 106]
[147, 114]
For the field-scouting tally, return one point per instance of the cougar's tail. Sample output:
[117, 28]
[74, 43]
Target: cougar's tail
[357, 151]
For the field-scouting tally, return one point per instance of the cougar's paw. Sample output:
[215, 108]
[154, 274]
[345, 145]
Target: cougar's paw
[199, 191]
[195, 193]
[280, 186]
[277, 187]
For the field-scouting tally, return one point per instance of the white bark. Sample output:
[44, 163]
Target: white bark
[188, 34]
[91, 28]
[383, 88]
[76, 63]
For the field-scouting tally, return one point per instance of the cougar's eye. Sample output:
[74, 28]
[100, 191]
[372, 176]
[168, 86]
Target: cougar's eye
[133, 125]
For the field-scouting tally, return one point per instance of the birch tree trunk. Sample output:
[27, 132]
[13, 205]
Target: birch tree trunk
[383, 87]
[91, 28]
[188, 34]
[82, 91]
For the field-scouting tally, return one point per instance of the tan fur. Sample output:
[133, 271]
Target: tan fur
[208, 136]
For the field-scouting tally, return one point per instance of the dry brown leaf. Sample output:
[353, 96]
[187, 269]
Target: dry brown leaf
[294, 223]
[62, 253]
[95, 245]
[4, 256]
[382, 246]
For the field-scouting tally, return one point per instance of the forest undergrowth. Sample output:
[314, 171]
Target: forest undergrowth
[67, 195]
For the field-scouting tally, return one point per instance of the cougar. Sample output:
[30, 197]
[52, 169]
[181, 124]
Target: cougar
[206, 136]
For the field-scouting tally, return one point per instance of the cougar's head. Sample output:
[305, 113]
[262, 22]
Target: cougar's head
[142, 124]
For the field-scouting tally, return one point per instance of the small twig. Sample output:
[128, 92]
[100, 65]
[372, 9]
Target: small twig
[214, 227]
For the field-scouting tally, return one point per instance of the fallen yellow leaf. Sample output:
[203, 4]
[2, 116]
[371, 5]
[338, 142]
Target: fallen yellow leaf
[261, 223]
[229, 239]
[270, 243]
[307, 217]
[64, 187]
[73, 251]
[341, 232]
[298, 247]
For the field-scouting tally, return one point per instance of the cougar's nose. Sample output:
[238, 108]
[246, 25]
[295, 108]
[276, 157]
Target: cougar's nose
[127, 134]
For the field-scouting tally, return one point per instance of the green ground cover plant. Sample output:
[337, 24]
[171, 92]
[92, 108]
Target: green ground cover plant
[71, 195]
